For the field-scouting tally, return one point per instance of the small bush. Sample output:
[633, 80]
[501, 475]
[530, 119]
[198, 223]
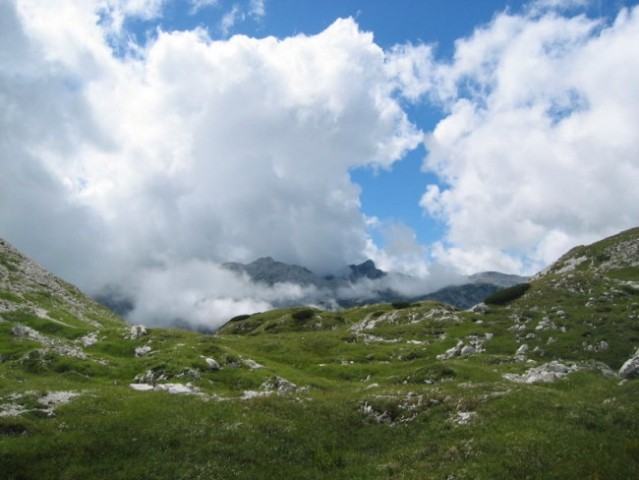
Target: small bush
[239, 318]
[506, 295]
[302, 315]
[400, 305]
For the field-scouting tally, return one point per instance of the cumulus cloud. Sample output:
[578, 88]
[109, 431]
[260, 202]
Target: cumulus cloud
[146, 171]
[538, 150]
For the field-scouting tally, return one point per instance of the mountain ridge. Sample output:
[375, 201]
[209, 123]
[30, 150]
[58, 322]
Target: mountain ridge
[340, 288]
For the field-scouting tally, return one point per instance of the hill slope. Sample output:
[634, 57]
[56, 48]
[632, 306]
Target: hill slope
[525, 390]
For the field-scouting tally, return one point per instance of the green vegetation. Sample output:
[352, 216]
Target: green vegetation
[304, 314]
[416, 391]
[507, 295]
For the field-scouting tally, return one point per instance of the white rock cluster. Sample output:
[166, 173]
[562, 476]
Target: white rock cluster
[473, 344]
[548, 372]
[135, 332]
[173, 388]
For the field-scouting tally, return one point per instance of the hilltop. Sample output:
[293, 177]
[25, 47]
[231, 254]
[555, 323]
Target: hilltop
[539, 382]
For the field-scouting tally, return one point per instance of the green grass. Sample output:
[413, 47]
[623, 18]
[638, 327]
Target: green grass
[373, 403]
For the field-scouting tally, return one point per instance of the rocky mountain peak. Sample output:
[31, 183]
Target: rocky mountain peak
[366, 269]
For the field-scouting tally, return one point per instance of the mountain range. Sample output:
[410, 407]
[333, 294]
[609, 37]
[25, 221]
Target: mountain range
[538, 382]
[365, 284]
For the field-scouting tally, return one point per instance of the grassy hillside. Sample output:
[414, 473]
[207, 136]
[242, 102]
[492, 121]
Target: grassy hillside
[528, 389]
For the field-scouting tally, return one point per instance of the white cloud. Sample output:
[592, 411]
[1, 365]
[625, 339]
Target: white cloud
[203, 294]
[197, 5]
[412, 67]
[539, 149]
[231, 18]
[257, 8]
[540, 6]
[191, 153]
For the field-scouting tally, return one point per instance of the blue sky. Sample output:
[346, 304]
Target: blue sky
[145, 142]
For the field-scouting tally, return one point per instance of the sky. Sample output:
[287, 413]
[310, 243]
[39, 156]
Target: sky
[143, 143]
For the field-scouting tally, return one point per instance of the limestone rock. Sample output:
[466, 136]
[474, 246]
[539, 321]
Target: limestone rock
[631, 367]
[280, 385]
[135, 332]
[212, 364]
[142, 351]
[479, 308]
[89, 339]
[549, 372]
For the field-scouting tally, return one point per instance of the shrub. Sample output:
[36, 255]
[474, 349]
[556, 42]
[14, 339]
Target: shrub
[239, 318]
[400, 305]
[506, 295]
[305, 314]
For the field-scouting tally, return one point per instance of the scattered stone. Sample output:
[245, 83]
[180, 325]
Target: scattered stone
[522, 349]
[212, 364]
[280, 385]
[630, 368]
[59, 346]
[89, 339]
[135, 332]
[193, 373]
[252, 364]
[172, 388]
[250, 394]
[599, 347]
[570, 264]
[368, 338]
[480, 308]
[142, 351]
[150, 377]
[467, 350]
[141, 387]
[48, 402]
[546, 324]
[548, 372]
[464, 418]
[475, 344]
[177, 388]
[11, 410]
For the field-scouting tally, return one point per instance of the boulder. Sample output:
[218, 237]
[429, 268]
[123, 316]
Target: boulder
[467, 350]
[142, 351]
[549, 372]
[135, 332]
[480, 308]
[212, 364]
[280, 385]
[630, 368]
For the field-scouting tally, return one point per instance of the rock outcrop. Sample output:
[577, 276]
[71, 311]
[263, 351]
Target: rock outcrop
[630, 368]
